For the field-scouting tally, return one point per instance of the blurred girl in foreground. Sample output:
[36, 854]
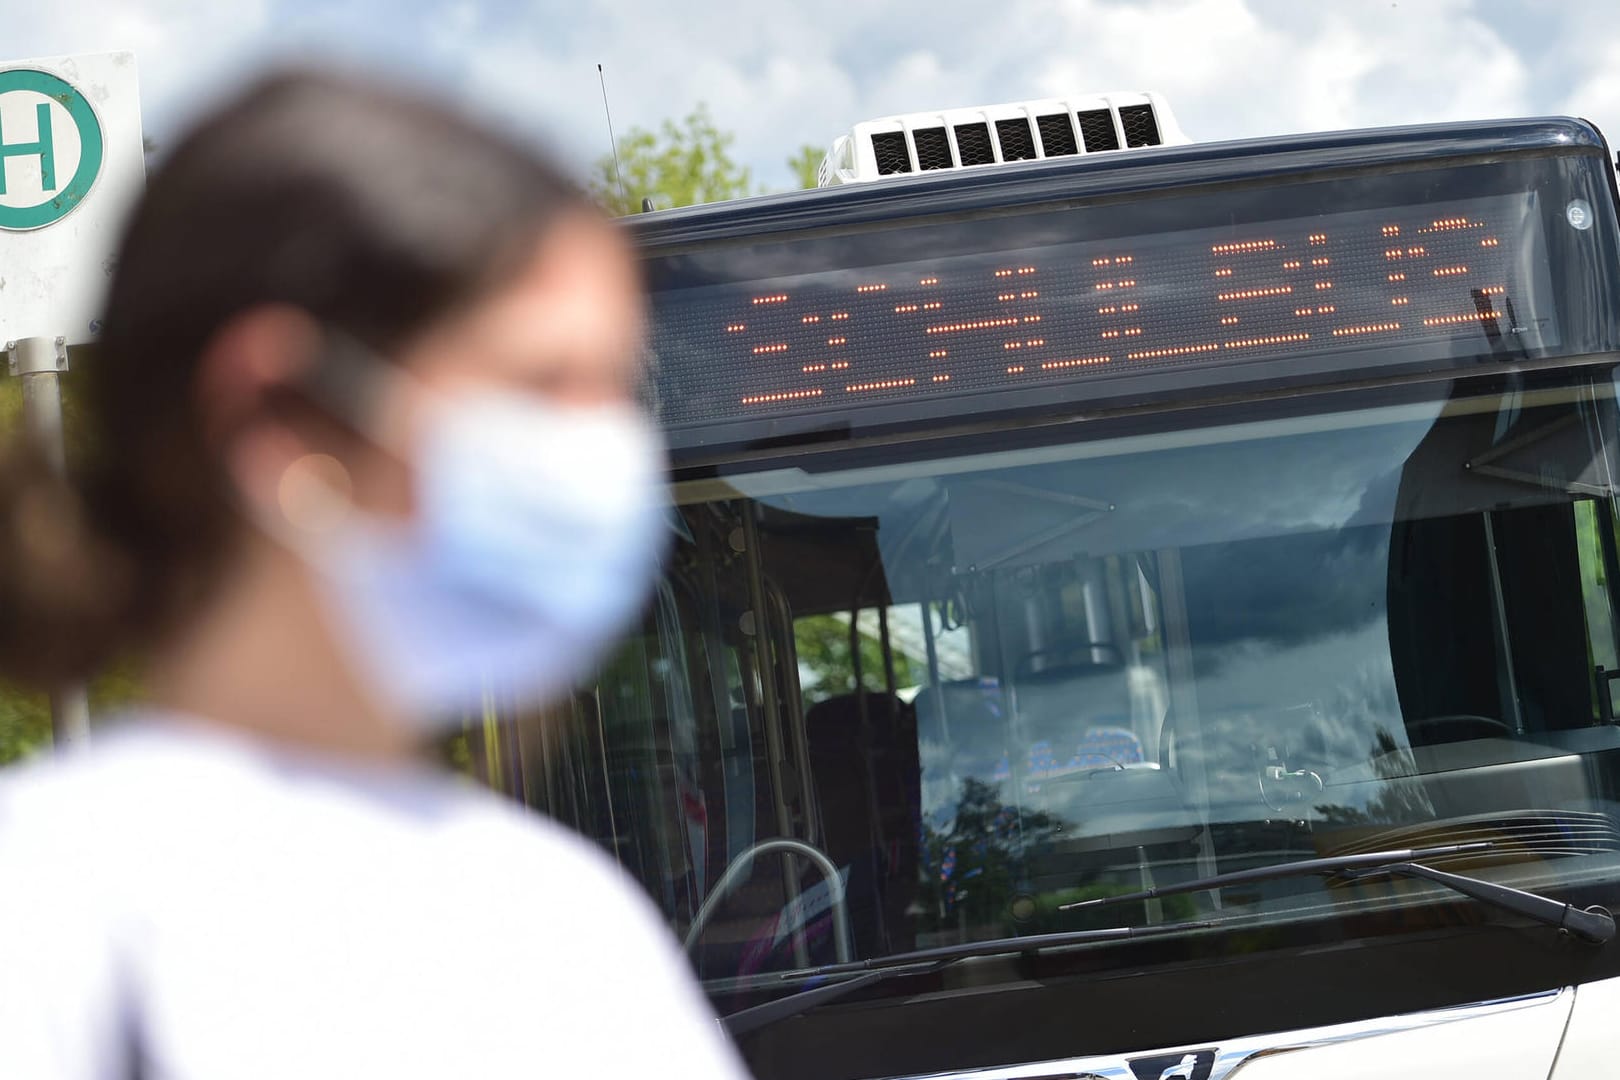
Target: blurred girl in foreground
[362, 440]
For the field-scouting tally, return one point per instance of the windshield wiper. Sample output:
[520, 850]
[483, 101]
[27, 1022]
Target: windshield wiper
[877, 969]
[1593, 925]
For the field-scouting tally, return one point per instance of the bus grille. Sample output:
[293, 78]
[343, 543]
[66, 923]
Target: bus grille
[890, 149]
[933, 149]
[1057, 134]
[1097, 128]
[1016, 142]
[973, 144]
[1140, 127]
[1097, 132]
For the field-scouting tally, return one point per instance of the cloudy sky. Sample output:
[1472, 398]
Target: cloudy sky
[783, 74]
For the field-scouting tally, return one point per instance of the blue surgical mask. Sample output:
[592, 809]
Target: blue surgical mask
[535, 541]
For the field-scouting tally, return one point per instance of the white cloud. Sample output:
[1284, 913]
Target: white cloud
[779, 75]
[183, 48]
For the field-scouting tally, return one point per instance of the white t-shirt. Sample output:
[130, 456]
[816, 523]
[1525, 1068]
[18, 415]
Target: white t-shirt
[218, 911]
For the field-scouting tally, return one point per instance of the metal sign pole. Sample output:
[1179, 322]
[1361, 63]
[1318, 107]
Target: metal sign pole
[39, 362]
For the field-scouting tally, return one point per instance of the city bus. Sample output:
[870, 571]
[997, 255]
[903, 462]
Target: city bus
[1139, 614]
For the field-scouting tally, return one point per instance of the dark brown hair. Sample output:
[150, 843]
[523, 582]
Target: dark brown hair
[372, 210]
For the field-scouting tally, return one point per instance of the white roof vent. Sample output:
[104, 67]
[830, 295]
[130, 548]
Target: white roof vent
[992, 134]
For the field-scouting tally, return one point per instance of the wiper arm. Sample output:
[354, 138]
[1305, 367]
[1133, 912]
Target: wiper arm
[880, 968]
[1593, 925]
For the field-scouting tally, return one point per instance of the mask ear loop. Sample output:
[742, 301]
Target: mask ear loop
[346, 379]
[314, 494]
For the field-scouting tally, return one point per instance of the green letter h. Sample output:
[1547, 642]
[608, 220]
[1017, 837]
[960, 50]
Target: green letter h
[42, 146]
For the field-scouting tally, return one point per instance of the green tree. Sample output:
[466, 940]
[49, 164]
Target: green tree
[822, 642]
[805, 163]
[682, 164]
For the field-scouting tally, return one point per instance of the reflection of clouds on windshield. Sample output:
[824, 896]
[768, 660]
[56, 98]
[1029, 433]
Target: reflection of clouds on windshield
[1285, 589]
[1330, 703]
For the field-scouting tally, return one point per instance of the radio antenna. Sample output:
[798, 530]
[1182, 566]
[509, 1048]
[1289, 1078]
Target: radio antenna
[618, 174]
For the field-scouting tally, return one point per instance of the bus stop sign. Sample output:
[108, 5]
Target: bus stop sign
[55, 191]
[70, 166]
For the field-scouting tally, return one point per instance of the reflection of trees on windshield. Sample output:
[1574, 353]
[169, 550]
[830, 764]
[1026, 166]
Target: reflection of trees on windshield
[1400, 800]
[971, 867]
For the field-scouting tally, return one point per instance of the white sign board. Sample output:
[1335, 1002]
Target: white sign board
[71, 166]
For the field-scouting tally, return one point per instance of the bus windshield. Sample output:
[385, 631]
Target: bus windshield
[988, 685]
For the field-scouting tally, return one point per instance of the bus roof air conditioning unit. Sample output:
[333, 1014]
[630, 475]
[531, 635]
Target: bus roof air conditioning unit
[995, 134]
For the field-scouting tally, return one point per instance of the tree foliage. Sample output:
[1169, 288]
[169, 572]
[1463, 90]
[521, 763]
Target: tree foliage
[804, 164]
[683, 163]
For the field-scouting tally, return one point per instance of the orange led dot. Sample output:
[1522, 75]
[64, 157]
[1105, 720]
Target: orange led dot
[1078, 361]
[1011, 345]
[1450, 223]
[870, 288]
[1319, 262]
[929, 281]
[1026, 269]
[901, 309]
[1033, 342]
[780, 346]
[1277, 339]
[932, 305]
[1004, 273]
[810, 369]
[1110, 334]
[1250, 294]
[882, 384]
[1129, 307]
[1015, 369]
[1109, 310]
[1292, 264]
[935, 354]
[1121, 260]
[1297, 311]
[1127, 283]
[1490, 241]
[1180, 350]
[1493, 290]
[774, 298]
[1006, 296]
[1133, 331]
[811, 319]
[1032, 318]
[1030, 294]
[837, 340]
[942, 378]
[981, 324]
[1414, 252]
[1320, 285]
[1400, 301]
[1104, 285]
[1393, 253]
[1244, 246]
[1397, 277]
[1449, 271]
[839, 366]
[840, 315]
[735, 327]
[1369, 328]
[1225, 271]
[1231, 320]
[786, 395]
[1101, 262]
[1318, 238]
[1326, 309]
[1392, 230]
[1453, 320]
